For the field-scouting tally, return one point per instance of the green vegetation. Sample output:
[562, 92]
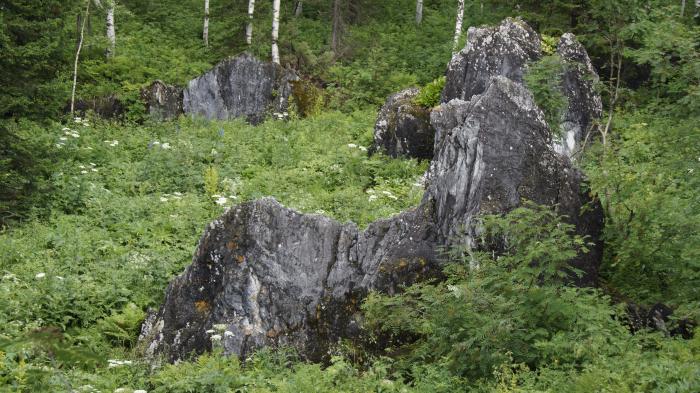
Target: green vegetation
[544, 78]
[97, 216]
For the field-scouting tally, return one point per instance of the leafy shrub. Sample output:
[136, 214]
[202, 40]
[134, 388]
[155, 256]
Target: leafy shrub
[429, 95]
[544, 78]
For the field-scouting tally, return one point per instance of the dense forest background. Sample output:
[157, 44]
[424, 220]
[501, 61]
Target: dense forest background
[99, 214]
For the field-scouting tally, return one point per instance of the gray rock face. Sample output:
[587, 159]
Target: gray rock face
[242, 86]
[163, 102]
[494, 151]
[403, 128]
[504, 50]
[578, 84]
[274, 276]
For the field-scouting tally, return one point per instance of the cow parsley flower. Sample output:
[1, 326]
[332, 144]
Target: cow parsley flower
[222, 201]
[39, 276]
[352, 145]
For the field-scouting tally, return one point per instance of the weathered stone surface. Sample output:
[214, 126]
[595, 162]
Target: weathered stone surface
[275, 276]
[163, 102]
[504, 50]
[242, 86]
[106, 107]
[585, 105]
[403, 127]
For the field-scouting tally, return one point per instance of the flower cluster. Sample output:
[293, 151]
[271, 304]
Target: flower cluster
[82, 122]
[113, 143]
[67, 132]
[222, 200]
[85, 170]
[118, 363]
[374, 195]
[280, 116]
[354, 146]
[164, 146]
[174, 196]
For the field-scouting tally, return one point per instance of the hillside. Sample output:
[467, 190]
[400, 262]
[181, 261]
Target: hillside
[103, 209]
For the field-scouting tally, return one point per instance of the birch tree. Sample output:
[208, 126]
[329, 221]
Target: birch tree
[111, 34]
[249, 26]
[205, 30]
[419, 11]
[275, 30]
[458, 25]
[298, 8]
[337, 26]
[77, 58]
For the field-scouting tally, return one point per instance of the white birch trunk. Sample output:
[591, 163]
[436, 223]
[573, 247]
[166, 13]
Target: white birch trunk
[458, 25]
[275, 30]
[419, 11]
[298, 8]
[682, 8]
[111, 34]
[249, 26]
[337, 26]
[77, 57]
[205, 31]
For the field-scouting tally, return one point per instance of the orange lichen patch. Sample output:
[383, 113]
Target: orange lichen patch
[231, 245]
[402, 263]
[202, 306]
[240, 258]
[271, 333]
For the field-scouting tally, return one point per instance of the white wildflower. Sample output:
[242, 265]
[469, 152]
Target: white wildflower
[81, 166]
[386, 193]
[216, 337]
[65, 129]
[392, 197]
[59, 278]
[372, 198]
[362, 148]
[77, 120]
[93, 169]
[60, 146]
[370, 191]
[222, 201]
[63, 138]
[163, 199]
[84, 172]
[156, 143]
[352, 145]
[177, 193]
[39, 276]
[216, 196]
[220, 327]
[121, 390]
[228, 333]
[118, 363]
[92, 164]
[165, 146]
[210, 331]
[140, 391]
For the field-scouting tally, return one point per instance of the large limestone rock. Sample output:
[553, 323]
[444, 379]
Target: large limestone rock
[241, 86]
[163, 102]
[274, 276]
[403, 127]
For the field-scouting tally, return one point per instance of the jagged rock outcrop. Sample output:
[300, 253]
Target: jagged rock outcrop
[504, 50]
[163, 102]
[585, 105]
[241, 86]
[275, 276]
[403, 127]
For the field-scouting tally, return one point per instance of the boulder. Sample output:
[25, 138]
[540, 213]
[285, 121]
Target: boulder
[241, 86]
[403, 127]
[106, 107]
[585, 105]
[273, 276]
[163, 102]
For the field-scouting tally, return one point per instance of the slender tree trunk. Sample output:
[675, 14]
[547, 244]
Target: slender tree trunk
[275, 30]
[458, 25]
[337, 26]
[249, 27]
[298, 8]
[111, 34]
[419, 11]
[77, 57]
[682, 8]
[205, 33]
